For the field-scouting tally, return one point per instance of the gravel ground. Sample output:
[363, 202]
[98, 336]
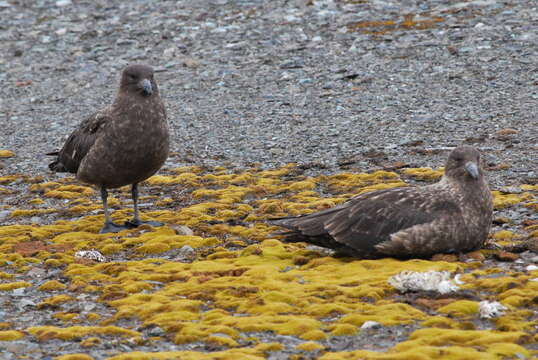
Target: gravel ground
[357, 84]
[333, 85]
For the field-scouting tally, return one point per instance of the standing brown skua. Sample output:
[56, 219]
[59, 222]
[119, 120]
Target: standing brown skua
[453, 215]
[122, 144]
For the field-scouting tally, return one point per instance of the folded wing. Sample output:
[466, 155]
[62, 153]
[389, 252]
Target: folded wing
[358, 225]
[79, 143]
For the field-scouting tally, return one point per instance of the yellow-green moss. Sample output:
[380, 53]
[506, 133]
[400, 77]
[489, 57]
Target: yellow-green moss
[93, 316]
[503, 235]
[10, 335]
[6, 153]
[424, 173]
[440, 322]
[90, 342]
[345, 182]
[77, 332]
[501, 200]
[8, 179]
[14, 285]
[74, 357]
[418, 353]
[524, 295]
[56, 300]
[6, 276]
[302, 185]
[221, 341]
[506, 349]
[187, 179]
[460, 308]
[69, 192]
[65, 316]
[447, 337]
[387, 314]
[314, 335]
[30, 212]
[109, 249]
[52, 285]
[344, 330]
[53, 263]
[153, 248]
[257, 353]
[244, 280]
[310, 346]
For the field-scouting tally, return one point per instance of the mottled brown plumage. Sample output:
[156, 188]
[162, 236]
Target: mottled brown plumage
[452, 215]
[122, 144]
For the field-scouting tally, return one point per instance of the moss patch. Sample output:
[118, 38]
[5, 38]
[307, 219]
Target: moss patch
[241, 279]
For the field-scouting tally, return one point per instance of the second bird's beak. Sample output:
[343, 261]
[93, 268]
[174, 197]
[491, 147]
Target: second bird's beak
[472, 168]
[146, 87]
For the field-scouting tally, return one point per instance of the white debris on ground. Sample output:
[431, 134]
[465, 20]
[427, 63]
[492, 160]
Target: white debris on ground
[439, 281]
[457, 280]
[370, 325]
[491, 309]
[91, 255]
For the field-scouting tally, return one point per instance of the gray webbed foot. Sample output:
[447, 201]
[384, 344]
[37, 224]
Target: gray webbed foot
[136, 223]
[110, 227]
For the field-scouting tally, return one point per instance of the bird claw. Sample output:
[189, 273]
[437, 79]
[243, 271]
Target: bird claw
[130, 224]
[110, 227]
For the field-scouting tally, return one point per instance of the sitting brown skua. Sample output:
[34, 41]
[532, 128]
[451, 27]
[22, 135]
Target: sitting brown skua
[122, 144]
[451, 216]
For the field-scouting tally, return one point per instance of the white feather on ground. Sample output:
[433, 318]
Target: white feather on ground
[438, 281]
[91, 255]
[491, 309]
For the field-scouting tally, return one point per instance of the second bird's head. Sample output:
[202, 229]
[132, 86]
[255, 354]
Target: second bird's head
[464, 162]
[138, 79]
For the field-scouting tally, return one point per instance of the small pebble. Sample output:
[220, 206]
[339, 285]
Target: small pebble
[182, 230]
[370, 325]
[187, 253]
[62, 3]
[156, 331]
[35, 220]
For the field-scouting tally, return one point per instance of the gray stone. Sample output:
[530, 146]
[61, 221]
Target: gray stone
[370, 325]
